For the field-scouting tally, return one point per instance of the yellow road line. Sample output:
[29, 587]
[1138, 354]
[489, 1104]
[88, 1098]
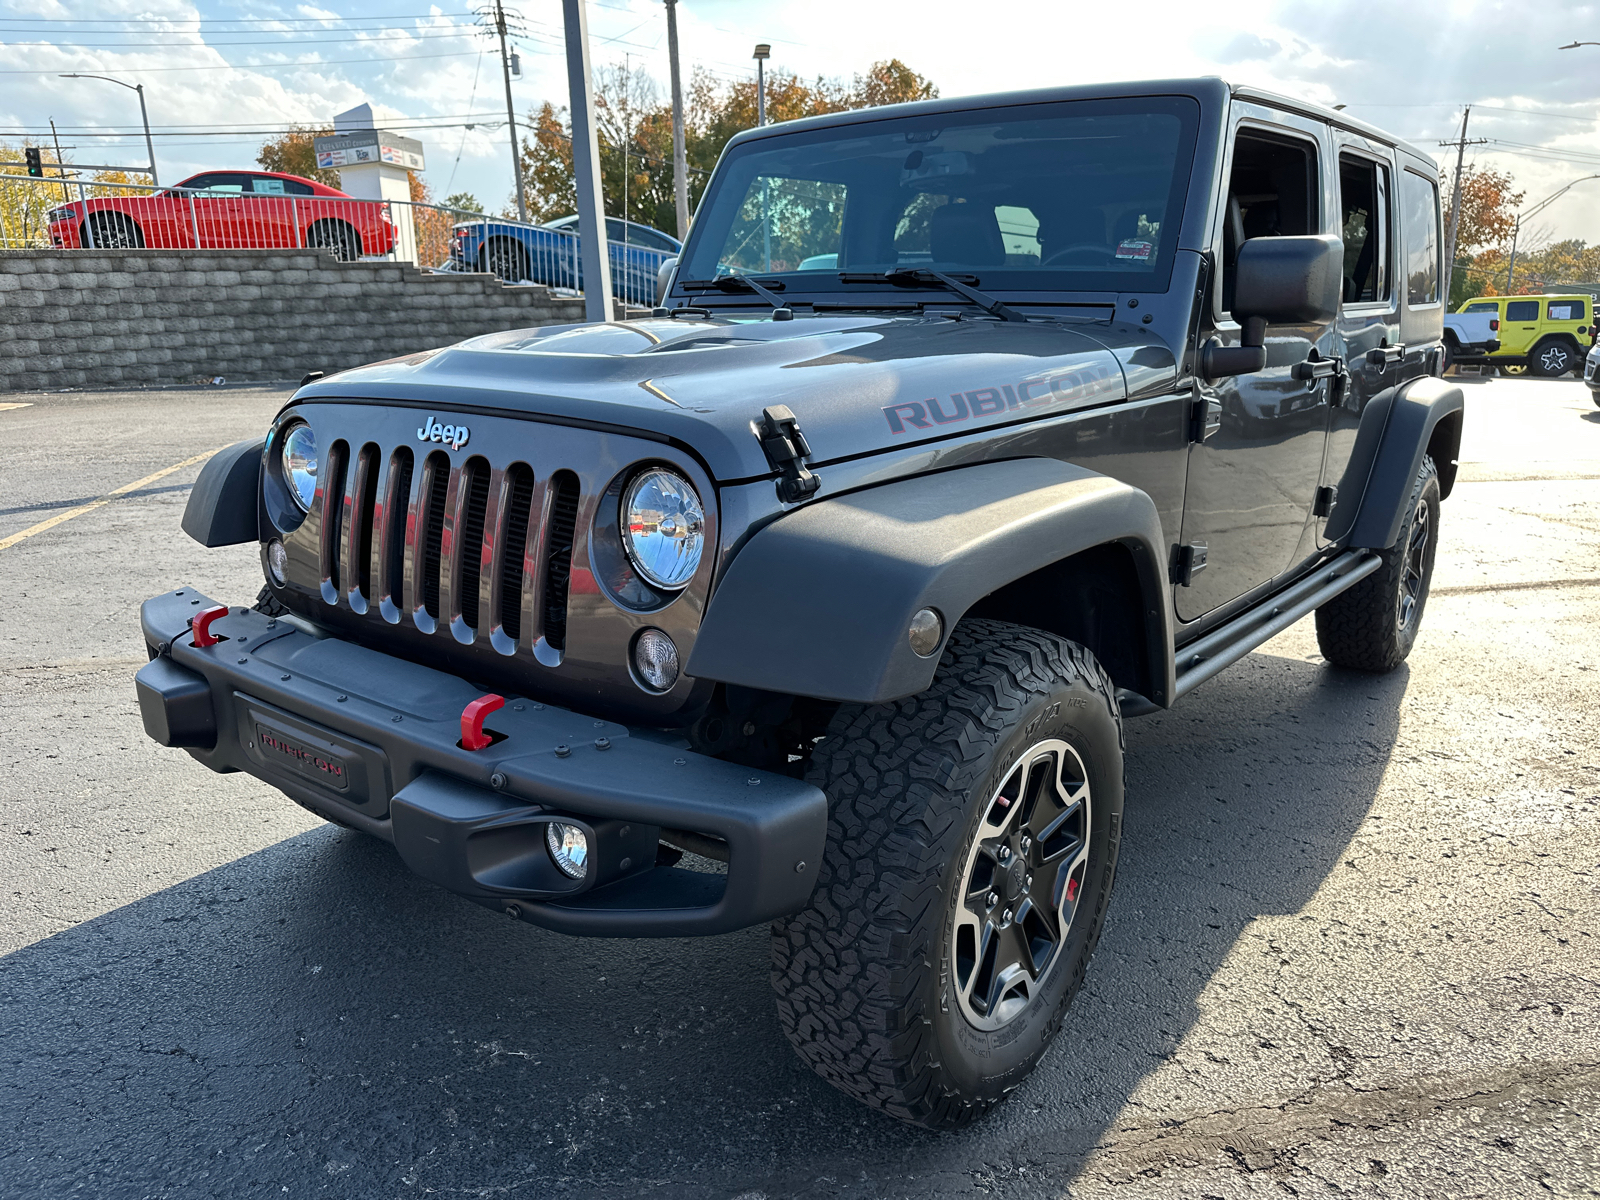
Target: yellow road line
[7, 543]
[8, 407]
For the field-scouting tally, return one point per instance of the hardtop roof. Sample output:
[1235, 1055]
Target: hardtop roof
[1204, 88]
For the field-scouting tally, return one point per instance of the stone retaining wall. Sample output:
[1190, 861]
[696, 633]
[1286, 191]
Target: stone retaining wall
[120, 318]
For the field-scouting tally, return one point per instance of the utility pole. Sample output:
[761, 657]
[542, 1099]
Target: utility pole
[586, 166]
[511, 112]
[680, 155]
[1455, 210]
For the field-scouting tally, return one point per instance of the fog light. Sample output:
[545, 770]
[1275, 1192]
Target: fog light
[277, 562]
[656, 659]
[925, 632]
[569, 848]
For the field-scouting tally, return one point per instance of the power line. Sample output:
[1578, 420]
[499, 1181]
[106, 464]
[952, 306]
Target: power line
[295, 66]
[315, 21]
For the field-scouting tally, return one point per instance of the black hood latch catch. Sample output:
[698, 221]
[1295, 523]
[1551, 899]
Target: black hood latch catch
[786, 449]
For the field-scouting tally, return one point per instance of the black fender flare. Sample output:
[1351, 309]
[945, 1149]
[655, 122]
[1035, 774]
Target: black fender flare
[224, 501]
[1398, 426]
[818, 602]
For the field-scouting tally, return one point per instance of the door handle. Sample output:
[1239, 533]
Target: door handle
[1316, 368]
[1385, 355]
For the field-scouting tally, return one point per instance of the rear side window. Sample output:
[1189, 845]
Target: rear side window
[1482, 306]
[1363, 198]
[263, 185]
[1522, 310]
[1419, 204]
[1566, 310]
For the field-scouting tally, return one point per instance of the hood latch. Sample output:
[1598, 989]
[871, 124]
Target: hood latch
[786, 449]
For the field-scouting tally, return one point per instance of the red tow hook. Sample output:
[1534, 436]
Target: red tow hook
[202, 625]
[472, 735]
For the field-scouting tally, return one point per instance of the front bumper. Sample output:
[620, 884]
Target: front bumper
[374, 741]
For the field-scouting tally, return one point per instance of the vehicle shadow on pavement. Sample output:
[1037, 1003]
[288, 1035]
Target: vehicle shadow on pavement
[312, 1016]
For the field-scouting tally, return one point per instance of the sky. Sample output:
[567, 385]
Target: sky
[220, 75]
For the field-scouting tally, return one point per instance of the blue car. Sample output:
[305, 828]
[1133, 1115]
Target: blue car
[548, 254]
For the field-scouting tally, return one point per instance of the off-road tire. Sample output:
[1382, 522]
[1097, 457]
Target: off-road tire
[863, 973]
[1552, 359]
[267, 603]
[1362, 627]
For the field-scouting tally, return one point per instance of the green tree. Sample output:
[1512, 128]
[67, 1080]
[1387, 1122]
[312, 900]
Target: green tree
[463, 202]
[634, 127]
[24, 201]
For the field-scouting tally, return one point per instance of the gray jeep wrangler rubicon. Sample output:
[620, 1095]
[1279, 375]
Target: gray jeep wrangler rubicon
[966, 430]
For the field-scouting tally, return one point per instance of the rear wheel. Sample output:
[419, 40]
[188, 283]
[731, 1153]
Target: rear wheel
[1552, 359]
[972, 843]
[337, 236]
[505, 260]
[1373, 625]
[114, 231]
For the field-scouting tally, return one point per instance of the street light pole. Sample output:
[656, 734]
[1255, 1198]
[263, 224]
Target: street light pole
[763, 52]
[1511, 266]
[149, 146]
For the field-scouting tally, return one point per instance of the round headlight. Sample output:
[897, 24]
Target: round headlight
[663, 527]
[300, 464]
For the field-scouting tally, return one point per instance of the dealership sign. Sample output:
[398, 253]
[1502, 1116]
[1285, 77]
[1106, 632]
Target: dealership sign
[369, 146]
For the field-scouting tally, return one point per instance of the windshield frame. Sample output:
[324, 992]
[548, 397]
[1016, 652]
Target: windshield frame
[1021, 284]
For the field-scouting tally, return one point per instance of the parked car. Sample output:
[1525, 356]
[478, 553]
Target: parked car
[1591, 372]
[1545, 334]
[823, 607]
[1470, 336]
[228, 210]
[549, 254]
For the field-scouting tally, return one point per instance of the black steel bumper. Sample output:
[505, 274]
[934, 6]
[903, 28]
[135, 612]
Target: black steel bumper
[374, 741]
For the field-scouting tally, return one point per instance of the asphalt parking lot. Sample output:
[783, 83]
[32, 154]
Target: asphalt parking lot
[1353, 948]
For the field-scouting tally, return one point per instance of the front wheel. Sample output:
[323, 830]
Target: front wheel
[343, 240]
[505, 260]
[1373, 625]
[972, 843]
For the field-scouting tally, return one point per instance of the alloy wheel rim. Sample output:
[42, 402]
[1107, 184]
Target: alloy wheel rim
[1021, 885]
[1411, 584]
[1555, 359]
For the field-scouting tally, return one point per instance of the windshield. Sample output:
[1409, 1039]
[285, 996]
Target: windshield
[1083, 195]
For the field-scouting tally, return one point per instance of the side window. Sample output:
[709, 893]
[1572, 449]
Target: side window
[1271, 193]
[1522, 310]
[614, 230]
[1482, 306]
[1565, 310]
[1364, 225]
[266, 185]
[1419, 203]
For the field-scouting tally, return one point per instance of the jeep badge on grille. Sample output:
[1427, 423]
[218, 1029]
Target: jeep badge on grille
[454, 436]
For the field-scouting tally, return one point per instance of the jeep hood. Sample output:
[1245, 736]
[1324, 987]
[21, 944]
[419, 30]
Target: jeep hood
[858, 383]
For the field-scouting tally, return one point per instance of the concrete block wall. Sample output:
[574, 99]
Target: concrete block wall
[121, 318]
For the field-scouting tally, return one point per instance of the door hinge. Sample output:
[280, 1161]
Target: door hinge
[1187, 562]
[786, 449]
[1323, 505]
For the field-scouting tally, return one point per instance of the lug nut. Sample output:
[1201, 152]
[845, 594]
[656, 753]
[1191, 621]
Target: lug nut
[992, 899]
[1005, 853]
[1006, 916]
[1028, 882]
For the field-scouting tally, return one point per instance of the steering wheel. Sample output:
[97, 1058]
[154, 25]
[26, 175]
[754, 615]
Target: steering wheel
[1085, 248]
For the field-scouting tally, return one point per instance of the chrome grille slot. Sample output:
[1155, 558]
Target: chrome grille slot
[513, 549]
[562, 527]
[355, 562]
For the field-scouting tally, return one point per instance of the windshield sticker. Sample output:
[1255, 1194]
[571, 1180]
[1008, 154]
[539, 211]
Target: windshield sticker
[1073, 388]
[1136, 249]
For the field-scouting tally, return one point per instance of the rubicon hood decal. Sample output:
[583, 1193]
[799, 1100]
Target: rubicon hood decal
[857, 383]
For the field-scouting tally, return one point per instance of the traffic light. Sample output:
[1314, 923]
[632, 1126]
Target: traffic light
[35, 161]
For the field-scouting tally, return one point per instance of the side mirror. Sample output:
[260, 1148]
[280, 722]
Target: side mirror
[664, 280]
[1278, 281]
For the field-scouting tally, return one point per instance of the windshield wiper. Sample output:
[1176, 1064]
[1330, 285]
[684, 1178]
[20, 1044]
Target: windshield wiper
[741, 283]
[913, 276]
